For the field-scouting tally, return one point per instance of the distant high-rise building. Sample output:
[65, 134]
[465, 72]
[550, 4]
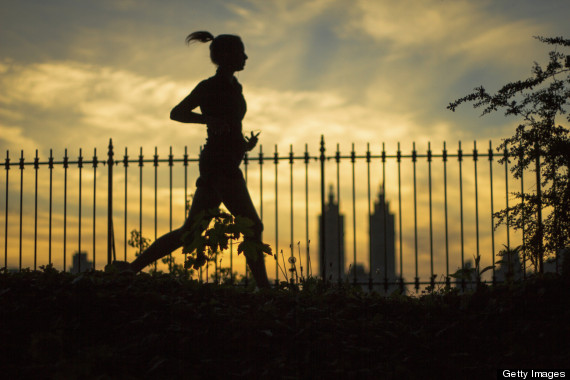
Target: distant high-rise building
[382, 242]
[510, 267]
[467, 281]
[334, 240]
[80, 263]
[361, 274]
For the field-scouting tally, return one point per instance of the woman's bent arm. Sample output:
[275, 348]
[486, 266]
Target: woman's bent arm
[184, 111]
[184, 116]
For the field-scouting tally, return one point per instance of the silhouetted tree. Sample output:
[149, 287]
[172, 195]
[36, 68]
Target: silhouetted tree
[539, 144]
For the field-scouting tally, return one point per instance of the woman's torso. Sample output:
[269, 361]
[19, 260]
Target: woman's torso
[223, 99]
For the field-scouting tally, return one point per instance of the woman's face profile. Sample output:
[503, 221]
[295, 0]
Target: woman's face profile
[242, 58]
[235, 57]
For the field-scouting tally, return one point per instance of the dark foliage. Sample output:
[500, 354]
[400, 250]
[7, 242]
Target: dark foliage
[96, 325]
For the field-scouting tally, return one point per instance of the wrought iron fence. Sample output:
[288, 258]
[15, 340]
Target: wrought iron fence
[435, 212]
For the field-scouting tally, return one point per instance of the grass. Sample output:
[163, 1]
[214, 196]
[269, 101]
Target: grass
[98, 325]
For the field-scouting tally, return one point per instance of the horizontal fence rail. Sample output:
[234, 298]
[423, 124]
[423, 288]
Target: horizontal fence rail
[442, 218]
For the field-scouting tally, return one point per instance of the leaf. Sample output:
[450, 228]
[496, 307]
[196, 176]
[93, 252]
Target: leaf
[199, 261]
[196, 244]
[249, 249]
[266, 248]
[189, 262]
[486, 269]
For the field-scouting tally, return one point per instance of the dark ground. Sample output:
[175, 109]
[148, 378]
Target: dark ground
[55, 325]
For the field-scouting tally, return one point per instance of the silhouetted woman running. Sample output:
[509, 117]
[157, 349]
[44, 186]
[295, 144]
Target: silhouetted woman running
[222, 108]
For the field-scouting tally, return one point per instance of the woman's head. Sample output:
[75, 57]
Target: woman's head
[226, 50]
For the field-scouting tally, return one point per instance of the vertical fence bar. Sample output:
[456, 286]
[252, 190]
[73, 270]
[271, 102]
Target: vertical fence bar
[476, 204]
[353, 160]
[36, 167]
[186, 204]
[201, 272]
[369, 217]
[21, 202]
[385, 229]
[444, 157]
[540, 231]
[246, 165]
[50, 203]
[492, 212]
[523, 216]
[322, 237]
[276, 164]
[338, 223]
[432, 278]
[260, 197]
[7, 167]
[414, 159]
[80, 167]
[155, 164]
[170, 164]
[141, 164]
[508, 220]
[65, 166]
[460, 160]
[399, 158]
[291, 196]
[125, 215]
[307, 241]
[110, 234]
[261, 186]
[507, 217]
[94, 202]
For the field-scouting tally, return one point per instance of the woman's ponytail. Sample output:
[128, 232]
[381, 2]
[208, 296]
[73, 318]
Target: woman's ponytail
[200, 36]
[220, 47]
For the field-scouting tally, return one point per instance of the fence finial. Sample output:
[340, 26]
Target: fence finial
[110, 232]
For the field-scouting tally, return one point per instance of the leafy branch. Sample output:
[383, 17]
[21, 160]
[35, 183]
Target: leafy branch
[540, 145]
[211, 234]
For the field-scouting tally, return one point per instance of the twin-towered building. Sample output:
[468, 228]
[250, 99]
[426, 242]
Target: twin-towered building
[382, 244]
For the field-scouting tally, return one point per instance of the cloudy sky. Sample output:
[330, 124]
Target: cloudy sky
[74, 73]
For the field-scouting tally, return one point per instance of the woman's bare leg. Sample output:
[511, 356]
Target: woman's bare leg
[236, 198]
[233, 192]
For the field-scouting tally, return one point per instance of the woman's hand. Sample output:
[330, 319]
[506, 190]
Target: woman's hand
[251, 142]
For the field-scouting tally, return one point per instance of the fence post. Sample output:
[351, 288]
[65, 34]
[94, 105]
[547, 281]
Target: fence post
[540, 231]
[110, 236]
[7, 167]
[322, 237]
